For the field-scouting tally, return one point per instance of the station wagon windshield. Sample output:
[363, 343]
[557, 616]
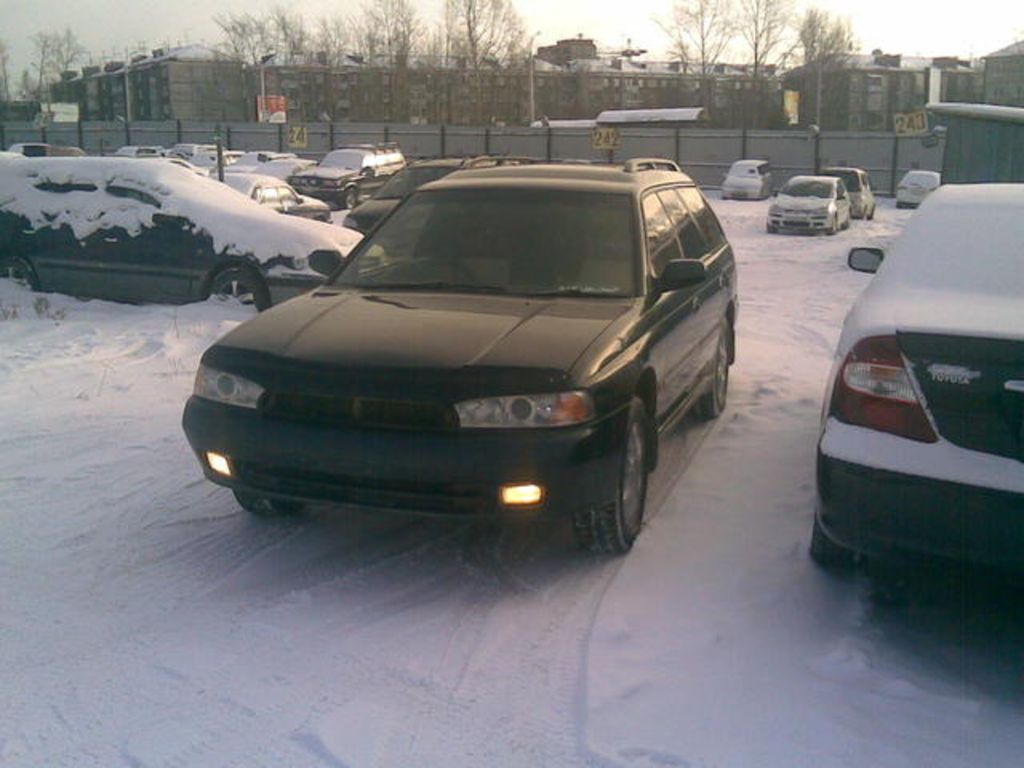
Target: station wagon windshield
[808, 189]
[516, 241]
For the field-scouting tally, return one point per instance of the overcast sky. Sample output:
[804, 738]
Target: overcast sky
[911, 27]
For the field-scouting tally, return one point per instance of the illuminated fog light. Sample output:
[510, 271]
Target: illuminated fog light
[218, 463]
[521, 495]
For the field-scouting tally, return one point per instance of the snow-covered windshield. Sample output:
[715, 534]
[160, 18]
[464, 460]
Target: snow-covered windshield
[928, 179]
[344, 158]
[408, 181]
[807, 188]
[850, 178]
[518, 241]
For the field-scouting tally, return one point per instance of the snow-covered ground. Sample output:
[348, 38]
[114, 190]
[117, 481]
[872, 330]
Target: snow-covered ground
[145, 621]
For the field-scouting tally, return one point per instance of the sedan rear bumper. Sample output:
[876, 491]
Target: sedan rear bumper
[445, 473]
[880, 512]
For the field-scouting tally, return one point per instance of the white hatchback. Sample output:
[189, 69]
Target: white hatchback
[748, 180]
[915, 186]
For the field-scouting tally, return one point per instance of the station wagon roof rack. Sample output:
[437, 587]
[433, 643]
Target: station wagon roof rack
[638, 164]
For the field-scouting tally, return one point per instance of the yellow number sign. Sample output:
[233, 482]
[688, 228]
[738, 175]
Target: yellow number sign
[298, 137]
[606, 138]
[910, 123]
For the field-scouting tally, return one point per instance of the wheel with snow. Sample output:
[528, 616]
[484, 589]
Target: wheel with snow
[613, 528]
[826, 552]
[770, 228]
[261, 506]
[351, 198]
[712, 403]
[241, 284]
[871, 213]
[20, 270]
[833, 225]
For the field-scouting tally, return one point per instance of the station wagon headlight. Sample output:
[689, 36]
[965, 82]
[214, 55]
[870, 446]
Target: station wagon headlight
[559, 409]
[227, 388]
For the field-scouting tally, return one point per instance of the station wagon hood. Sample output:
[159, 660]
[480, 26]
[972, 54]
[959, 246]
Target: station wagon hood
[428, 332]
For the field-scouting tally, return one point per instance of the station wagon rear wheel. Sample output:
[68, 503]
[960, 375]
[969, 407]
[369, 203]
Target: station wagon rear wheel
[826, 552]
[712, 402]
[20, 270]
[614, 527]
[240, 284]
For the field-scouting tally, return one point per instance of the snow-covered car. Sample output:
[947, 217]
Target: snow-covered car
[923, 431]
[915, 186]
[858, 187]
[119, 229]
[280, 165]
[277, 195]
[810, 204]
[748, 180]
[132, 150]
[348, 175]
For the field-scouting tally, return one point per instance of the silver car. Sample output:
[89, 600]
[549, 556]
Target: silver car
[858, 186]
[915, 187]
[810, 204]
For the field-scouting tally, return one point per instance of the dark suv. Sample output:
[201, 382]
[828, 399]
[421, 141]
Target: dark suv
[349, 174]
[509, 341]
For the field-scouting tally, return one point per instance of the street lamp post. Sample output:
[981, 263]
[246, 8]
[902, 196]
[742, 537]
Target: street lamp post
[533, 69]
[262, 111]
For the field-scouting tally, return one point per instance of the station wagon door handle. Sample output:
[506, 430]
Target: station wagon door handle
[111, 240]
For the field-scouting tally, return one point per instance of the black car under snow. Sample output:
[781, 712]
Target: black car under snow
[509, 341]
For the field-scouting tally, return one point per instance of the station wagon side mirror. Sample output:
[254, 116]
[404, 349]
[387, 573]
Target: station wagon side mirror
[324, 262]
[681, 273]
[865, 259]
[368, 172]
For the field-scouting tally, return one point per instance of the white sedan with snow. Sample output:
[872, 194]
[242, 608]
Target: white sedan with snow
[810, 204]
[129, 231]
[922, 442]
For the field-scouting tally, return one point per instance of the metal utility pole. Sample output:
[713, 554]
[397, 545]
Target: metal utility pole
[532, 77]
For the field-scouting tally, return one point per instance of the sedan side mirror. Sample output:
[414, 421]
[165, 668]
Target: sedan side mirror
[681, 273]
[865, 259]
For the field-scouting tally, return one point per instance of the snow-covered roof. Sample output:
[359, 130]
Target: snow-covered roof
[979, 111]
[672, 115]
[1017, 49]
[238, 226]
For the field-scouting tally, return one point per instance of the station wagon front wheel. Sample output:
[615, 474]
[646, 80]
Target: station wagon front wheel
[241, 284]
[613, 528]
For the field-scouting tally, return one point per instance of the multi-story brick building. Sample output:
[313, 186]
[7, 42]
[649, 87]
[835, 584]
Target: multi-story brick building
[1004, 76]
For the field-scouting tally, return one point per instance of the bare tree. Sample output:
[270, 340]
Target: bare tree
[247, 38]
[700, 31]
[490, 30]
[333, 39]
[290, 31]
[66, 49]
[389, 28]
[826, 42]
[5, 80]
[765, 27]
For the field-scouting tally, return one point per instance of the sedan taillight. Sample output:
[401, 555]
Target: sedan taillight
[873, 389]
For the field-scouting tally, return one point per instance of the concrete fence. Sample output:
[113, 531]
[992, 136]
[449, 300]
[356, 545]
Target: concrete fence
[704, 154]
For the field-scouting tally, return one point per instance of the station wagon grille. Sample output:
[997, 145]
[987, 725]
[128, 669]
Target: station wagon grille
[359, 412]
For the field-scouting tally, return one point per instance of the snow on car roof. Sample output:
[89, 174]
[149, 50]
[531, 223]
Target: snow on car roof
[247, 182]
[236, 224]
[967, 238]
